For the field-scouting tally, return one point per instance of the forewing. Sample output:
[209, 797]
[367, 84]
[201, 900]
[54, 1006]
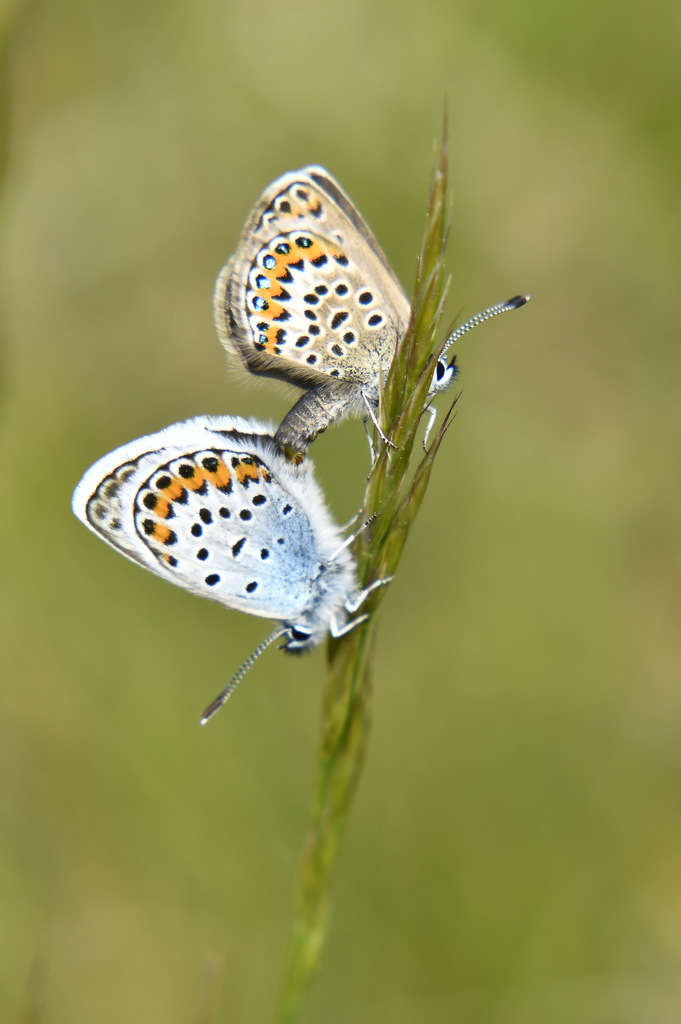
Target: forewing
[309, 295]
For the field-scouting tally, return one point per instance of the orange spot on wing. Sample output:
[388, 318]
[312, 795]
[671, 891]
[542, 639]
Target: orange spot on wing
[272, 342]
[174, 489]
[244, 471]
[162, 508]
[314, 251]
[161, 533]
[195, 482]
[275, 310]
[219, 477]
[283, 260]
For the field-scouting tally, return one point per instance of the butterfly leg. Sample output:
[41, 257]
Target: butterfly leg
[336, 630]
[370, 440]
[432, 416]
[374, 420]
[353, 603]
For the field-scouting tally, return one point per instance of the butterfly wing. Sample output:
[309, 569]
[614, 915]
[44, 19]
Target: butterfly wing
[309, 296]
[200, 505]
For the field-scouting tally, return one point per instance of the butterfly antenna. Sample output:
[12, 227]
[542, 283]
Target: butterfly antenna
[238, 676]
[486, 314]
[348, 540]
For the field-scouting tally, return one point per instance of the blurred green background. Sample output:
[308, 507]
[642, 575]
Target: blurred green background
[514, 856]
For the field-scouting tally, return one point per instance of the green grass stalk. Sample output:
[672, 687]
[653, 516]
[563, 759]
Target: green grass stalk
[393, 494]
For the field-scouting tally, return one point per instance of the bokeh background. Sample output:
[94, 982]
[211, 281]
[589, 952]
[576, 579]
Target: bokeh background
[514, 856]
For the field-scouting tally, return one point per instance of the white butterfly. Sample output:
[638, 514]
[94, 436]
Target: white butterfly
[213, 506]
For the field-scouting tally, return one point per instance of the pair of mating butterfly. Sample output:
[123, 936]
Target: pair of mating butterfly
[215, 504]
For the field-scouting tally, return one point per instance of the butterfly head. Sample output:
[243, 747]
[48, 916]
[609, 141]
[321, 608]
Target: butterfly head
[299, 638]
[444, 376]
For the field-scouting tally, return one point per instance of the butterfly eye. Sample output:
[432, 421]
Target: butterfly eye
[300, 635]
[444, 375]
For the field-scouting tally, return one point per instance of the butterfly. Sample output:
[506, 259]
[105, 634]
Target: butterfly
[214, 506]
[309, 298]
